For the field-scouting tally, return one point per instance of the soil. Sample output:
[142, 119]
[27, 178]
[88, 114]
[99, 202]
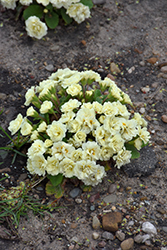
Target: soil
[132, 34]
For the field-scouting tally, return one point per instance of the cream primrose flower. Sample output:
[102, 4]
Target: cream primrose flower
[138, 143]
[56, 131]
[9, 4]
[129, 129]
[144, 135]
[35, 28]
[122, 110]
[110, 108]
[60, 74]
[30, 167]
[31, 112]
[72, 79]
[67, 117]
[34, 135]
[69, 2]
[97, 107]
[123, 157]
[26, 128]
[15, 125]
[116, 92]
[89, 172]
[73, 126]
[53, 165]
[102, 119]
[46, 84]
[87, 105]
[106, 153]
[44, 93]
[43, 2]
[48, 143]
[37, 148]
[45, 107]
[74, 89]
[42, 127]
[67, 167]
[114, 125]
[91, 151]
[25, 2]
[62, 150]
[140, 120]
[102, 136]
[70, 105]
[39, 164]
[79, 138]
[126, 99]
[29, 96]
[77, 155]
[79, 12]
[90, 74]
[116, 143]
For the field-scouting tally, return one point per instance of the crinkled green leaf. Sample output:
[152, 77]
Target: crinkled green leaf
[97, 93]
[88, 3]
[65, 16]
[55, 180]
[52, 20]
[135, 153]
[33, 10]
[57, 191]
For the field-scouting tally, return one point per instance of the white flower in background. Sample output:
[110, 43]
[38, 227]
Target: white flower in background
[97, 107]
[123, 157]
[73, 126]
[35, 28]
[90, 74]
[39, 164]
[140, 120]
[25, 2]
[34, 135]
[9, 4]
[43, 2]
[74, 89]
[70, 105]
[77, 155]
[31, 111]
[29, 95]
[37, 148]
[67, 117]
[106, 153]
[144, 135]
[48, 143]
[91, 151]
[15, 125]
[26, 128]
[138, 143]
[109, 108]
[53, 165]
[67, 167]
[79, 12]
[56, 131]
[45, 107]
[42, 127]
[116, 143]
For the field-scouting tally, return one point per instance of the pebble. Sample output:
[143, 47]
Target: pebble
[112, 198]
[131, 223]
[164, 229]
[164, 69]
[95, 235]
[102, 244]
[114, 68]
[142, 110]
[96, 223]
[120, 235]
[131, 69]
[71, 247]
[92, 208]
[142, 63]
[3, 96]
[138, 238]
[149, 228]
[148, 243]
[112, 188]
[49, 67]
[110, 221]
[155, 85]
[75, 192]
[161, 210]
[145, 90]
[78, 200]
[127, 244]
[164, 118]
[55, 48]
[108, 236]
[98, 1]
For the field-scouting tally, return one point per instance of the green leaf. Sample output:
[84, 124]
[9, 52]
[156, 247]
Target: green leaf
[65, 16]
[49, 7]
[135, 153]
[52, 20]
[88, 3]
[57, 191]
[55, 180]
[33, 10]
[97, 93]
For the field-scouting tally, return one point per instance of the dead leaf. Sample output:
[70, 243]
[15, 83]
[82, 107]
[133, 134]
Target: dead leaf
[152, 60]
[138, 51]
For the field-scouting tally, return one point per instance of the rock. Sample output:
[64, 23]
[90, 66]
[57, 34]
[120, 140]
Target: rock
[94, 197]
[78, 200]
[142, 63]
[127, 244]
[22, 177]
[55, 48]
[152, 60]
[145, 90]
[98, 1]
[131, 69]
[149, 228]
[164, 118]
[96, 223]
[95, 235]
[71, 247]
[142, 110]
[164, 69]
[111, 77]
[102, 244]
[3, 96]
[131, 223]
[161, 210]
[138, 238]
[74, 239]
[49, 67]
[148, 243]
[112, 198]
[92, 208]
[73, 225]
[155, 85]
[145, 237]
[162, 75]
[114, 68]
[120, 235]
[144, 165]
[75, 192]
[110, 221]
[112, 188]
[108, 236]
[164, 229]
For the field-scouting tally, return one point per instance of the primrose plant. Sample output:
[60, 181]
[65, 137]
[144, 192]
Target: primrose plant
[76, 124]
[39, 15]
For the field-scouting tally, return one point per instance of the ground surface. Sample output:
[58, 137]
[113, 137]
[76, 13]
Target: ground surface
[128, 33]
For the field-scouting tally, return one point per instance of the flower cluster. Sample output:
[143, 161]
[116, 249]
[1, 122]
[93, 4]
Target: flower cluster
[81, 121]
[49, 10]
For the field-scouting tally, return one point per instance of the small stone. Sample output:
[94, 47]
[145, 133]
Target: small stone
[111, 77]
[55, 48]
[164, 229]
[127, 244]
[75, 239]
[162, 75]
[131, 69]
[148, 117]
[164, 69]
[114, 68]
[161, 210]
[155, 85]
[22, 177]
[96, 223]
[142, 63]
[112, 198]
[49, 67]
[39, 188]
[110, 221]
[145, 90]
[120, 235]
[145, 237]
[164, 118]
[78, 200]
[138, 238]
[92, 208]
[142, 110]
[149, 228]
[73, 225]
[95, 235]
[98, 1]
[102, 244]
[3, 96]
[148, 243]
[71, 247]
[108, 236]
[75, 192]
[112, 188]
[131, 223]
